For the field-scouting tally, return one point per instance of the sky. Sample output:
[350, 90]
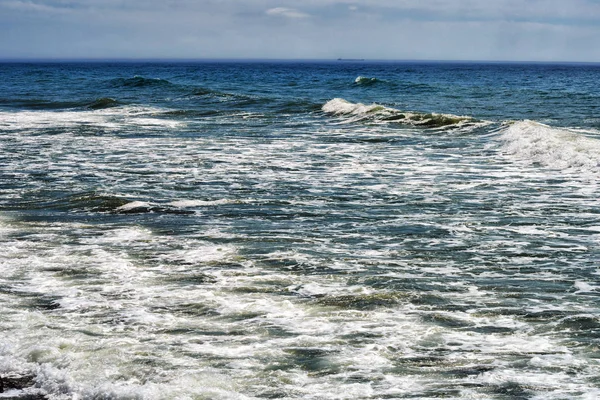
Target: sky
[498, 30]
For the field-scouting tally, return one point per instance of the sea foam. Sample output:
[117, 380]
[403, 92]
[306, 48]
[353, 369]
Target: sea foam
[557, 148]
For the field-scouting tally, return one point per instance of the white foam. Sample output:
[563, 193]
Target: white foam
[200, 253]
[201, 203]
[584, 287]
[552, 147]
[133, 205]
[340, 106]
[138, 319]
[364, 79]
[110, 119]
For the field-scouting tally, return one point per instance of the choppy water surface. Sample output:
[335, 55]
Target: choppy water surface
[300, 230]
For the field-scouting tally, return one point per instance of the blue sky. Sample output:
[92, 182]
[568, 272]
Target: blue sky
[531, 30]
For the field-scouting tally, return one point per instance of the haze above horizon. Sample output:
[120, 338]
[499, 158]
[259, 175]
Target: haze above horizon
[451, 30]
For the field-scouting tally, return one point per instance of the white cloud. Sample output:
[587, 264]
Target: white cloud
[31, 6]
[287, 12]
[386, 29]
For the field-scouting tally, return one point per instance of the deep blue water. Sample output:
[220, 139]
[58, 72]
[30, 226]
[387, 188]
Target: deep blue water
[331, 230]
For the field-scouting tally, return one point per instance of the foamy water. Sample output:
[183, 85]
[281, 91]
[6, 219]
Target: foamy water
[323, 252]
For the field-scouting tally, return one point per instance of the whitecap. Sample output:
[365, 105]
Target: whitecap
[557, 148]
[201, 203]
[584, 287]
[133, 205]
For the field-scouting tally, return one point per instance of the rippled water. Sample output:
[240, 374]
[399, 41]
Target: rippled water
[300, 230]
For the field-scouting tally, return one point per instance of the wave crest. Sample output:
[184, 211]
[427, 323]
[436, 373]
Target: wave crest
[557, 148]
[103, 102]
[139, 81]
[366, 81]
[376, 112]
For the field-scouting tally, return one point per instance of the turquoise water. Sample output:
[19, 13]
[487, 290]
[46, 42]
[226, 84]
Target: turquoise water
[341, 230]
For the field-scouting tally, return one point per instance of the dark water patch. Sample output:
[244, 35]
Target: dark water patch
[192, 278]
[360, 378]
[435, 302]
[421, 361]
[544, 316]
[103, 102]
[40, 104]
[8, 289]
[510, 391]
[259, 289]
[524, 288]
[313, 360]
[466, 372]
[437, 120]
[43, 303]
[73, 272]
[361, 301]
[430, 394]
[417, 87]
[188, 309]
[191, 113]
[277, 394]
[295, 267]
[490, 329]
[193, 332]
[208, 95]
[57, 105]
[367, 139]
[203, 92]
[501, 309]
[97, 202]
[243, 316]
[227, 99]
[278, 331]
[296, 107]
[90, 333]
[585, 324]
[409, 285]
[446, 321]
[60, 201]
[139, 82]
[23, 385]
[358, 338]
[16, 382]
[416, 230]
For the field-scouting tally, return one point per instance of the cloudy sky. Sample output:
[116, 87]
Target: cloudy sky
[532, 30]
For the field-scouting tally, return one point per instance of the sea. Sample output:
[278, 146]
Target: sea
[299, 230]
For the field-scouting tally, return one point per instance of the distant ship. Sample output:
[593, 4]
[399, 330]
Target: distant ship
[351, 59]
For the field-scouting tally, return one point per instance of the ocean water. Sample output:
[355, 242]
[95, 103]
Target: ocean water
[300, 230]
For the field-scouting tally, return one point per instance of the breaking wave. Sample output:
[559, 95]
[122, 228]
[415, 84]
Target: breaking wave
[173, 207]
[366, 81]
[142, 207]
[378, 113]
[557, 148]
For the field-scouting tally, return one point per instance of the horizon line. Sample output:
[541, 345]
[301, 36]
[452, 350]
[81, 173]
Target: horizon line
[267, 59]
